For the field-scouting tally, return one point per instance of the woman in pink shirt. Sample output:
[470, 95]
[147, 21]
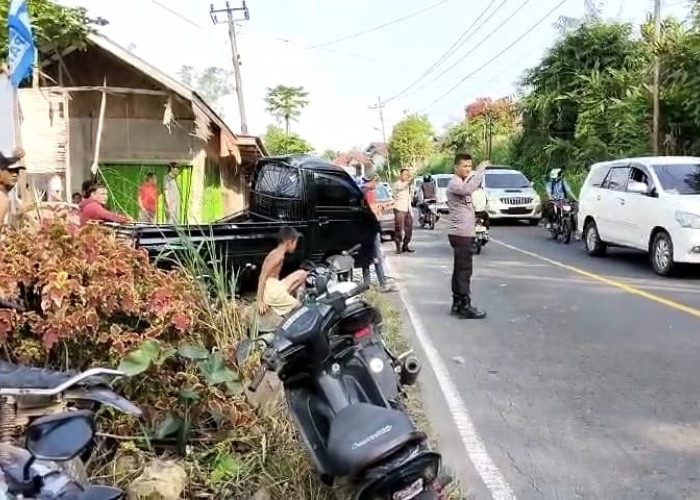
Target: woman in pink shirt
[92, 209]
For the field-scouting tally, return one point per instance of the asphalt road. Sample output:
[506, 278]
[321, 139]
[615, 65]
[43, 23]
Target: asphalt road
[584, 380]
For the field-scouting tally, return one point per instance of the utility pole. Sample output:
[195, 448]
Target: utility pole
[657, 75]
[234, 49]
[380, 107]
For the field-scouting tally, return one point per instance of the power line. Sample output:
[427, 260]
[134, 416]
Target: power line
[453, 48]
[176, 13]
[335, 51]
[479, 44]
[375, 28]
[532, 28]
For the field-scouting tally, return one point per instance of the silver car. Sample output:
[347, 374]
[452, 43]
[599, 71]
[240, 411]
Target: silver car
[510, 195]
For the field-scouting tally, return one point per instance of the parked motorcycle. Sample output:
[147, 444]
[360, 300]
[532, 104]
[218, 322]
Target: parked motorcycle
[35, 472]
[564, 224]
[428, 214]
[29, 394]
[340, 408]
[366, 324]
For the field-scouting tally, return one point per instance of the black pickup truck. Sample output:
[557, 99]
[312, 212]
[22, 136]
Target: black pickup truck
[318, 199]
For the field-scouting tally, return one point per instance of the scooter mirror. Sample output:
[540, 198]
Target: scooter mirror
[60, 437]
[101, 493]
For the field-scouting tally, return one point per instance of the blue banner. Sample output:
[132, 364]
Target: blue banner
[20, 42]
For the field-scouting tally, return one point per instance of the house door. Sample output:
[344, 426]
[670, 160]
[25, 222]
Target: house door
[123, 181]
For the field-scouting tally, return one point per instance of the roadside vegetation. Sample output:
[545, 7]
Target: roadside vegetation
[185, 341]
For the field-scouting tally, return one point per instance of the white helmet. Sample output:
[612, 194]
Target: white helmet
[555, 174]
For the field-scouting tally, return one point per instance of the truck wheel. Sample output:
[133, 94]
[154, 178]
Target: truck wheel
[591, 239]
[662, 254]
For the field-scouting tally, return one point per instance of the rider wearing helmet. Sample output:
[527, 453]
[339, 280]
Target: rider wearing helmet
[428, 191]
[558, 190]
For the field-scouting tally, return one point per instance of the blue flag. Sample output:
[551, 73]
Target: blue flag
[20, 42]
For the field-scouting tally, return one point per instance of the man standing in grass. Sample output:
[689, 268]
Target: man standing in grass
[462, 233]
[403, 220]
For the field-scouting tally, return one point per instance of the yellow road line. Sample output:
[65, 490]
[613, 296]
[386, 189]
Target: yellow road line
[617, 284]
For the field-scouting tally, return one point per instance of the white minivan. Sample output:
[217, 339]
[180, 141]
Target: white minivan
[651, 203]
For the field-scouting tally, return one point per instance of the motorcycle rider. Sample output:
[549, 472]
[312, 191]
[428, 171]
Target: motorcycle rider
[428, 190]
[558, 191]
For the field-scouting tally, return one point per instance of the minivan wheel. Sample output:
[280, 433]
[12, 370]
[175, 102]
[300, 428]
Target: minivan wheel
[591, 239]
[662, 254]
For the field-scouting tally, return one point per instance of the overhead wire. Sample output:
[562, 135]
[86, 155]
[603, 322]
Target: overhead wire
[475, 47]
[380, 26]
[506, 49]
[335, 51]
[451, 50]
[177, 14]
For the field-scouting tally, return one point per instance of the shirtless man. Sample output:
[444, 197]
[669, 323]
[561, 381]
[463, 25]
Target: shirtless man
[275, 293]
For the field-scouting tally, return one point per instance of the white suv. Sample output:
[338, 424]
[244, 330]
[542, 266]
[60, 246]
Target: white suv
[652, 204]
[510, 195]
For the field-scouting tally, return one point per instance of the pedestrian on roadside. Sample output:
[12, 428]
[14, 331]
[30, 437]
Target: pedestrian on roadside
[369, 186]
[462, 232]
[403, 219]
[148, 199]
[172, 194]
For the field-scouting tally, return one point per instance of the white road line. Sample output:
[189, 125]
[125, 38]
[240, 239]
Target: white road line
[473, 444]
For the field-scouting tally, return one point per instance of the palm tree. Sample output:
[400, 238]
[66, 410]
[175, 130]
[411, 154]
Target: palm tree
[285, 103]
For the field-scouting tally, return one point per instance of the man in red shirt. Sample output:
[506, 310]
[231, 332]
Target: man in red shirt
[148, 199]
[92, 209]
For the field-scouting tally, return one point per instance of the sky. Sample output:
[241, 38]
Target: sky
[296, 42]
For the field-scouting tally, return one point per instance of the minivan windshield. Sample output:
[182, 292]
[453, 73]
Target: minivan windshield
[506, 181]
[442, 182]
[679, 179]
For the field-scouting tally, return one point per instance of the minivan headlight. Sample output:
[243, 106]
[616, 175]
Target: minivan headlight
[688, 220]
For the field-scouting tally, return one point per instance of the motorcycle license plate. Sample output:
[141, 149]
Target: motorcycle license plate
[480, 229]
[412, 491]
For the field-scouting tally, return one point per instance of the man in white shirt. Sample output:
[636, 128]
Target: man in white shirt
[403, 219]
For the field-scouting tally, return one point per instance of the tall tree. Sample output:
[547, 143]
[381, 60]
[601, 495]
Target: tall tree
[586, 100]
[211, 83]
[285, 103]
[411, 142]
[277, 142]
[53, 26]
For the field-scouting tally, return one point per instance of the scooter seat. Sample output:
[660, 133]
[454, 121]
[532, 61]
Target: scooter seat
[26, 377]
[363, 434]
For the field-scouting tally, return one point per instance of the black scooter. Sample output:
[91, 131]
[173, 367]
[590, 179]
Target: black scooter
[344, 418]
